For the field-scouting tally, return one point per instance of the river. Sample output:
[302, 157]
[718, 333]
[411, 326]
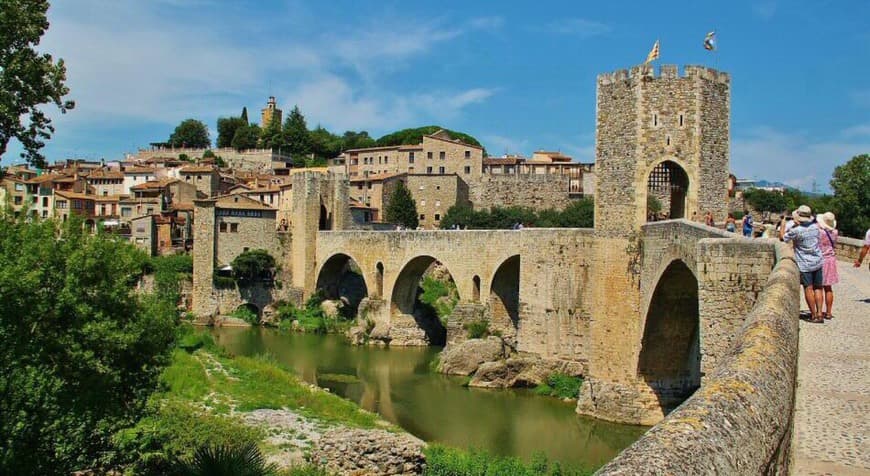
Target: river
[398, 384]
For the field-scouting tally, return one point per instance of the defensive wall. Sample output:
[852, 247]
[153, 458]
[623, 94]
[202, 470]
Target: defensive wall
[740, 420]
[254, 160]
[539, 192]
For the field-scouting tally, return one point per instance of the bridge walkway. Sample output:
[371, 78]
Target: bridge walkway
[832, 411]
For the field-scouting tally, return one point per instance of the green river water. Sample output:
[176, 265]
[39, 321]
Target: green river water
[398, 384]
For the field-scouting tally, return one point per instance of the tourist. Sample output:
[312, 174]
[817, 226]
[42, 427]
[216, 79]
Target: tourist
[730, 223]
[708, 219]
[828, 236]
[864, 250]
[808, 256]
[769, 231]
[747, 224]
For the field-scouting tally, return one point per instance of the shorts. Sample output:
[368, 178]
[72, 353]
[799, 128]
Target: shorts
[812, 278]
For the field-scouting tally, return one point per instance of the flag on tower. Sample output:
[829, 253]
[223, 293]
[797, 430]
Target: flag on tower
[710, 41]
[654, 53]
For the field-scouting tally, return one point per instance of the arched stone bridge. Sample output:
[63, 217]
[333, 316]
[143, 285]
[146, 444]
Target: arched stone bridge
[646, 329]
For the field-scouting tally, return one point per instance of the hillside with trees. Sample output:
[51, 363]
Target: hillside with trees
[415, 135]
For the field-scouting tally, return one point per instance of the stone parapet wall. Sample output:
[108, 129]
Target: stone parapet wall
[254, 160]
[849, 249]
[740, 420]
[539, 192]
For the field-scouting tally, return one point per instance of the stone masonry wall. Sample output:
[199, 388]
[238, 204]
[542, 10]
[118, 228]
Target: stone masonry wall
[739, 422]
[539, 192]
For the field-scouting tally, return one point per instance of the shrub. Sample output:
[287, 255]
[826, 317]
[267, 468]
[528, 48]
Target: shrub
[445, 461]
[247, 315]
[477, 329]
[561, 386]
[253, 264]
[440, 296]
[223, 282]
[226, 460]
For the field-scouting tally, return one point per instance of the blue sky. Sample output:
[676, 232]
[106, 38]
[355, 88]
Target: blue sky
[519, 76]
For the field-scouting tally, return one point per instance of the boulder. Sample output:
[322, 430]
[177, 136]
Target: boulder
[347, 451]
[330, 308]
[521, 371]
[464, 358]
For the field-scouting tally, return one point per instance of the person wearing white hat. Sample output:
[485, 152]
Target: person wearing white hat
[808, 256]
[828, 236]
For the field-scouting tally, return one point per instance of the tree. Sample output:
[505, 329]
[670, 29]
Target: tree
[80, 352]
[851, 201]
[244, 115]
[190, 133]
[324, 144]
[402, 209]
[768, 200]
[227, 127]
[415, 136]
[295, 133]
[28, 79]
[253, 264]
[356, 140]
[271, 136]
[246, 137]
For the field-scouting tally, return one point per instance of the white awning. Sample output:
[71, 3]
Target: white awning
[111, 223]
[226, 268]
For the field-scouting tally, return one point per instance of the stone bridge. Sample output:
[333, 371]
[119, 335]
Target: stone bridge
[646, 317]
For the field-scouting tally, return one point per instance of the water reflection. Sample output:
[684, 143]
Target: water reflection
[398, 384]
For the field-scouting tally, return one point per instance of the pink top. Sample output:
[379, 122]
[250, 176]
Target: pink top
[826, 244]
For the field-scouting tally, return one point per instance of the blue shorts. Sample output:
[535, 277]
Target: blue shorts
[812, 278]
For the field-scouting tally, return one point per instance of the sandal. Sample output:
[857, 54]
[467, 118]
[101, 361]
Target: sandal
[818, 320]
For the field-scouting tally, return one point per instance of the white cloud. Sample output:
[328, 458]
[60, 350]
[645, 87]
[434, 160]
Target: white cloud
[486, 23]
[860, 130]
[792, 158]
[578, 26]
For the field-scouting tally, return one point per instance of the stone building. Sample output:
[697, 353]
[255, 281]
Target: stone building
[206, 178]
[270, 113]
[435, 194]
[437, 154]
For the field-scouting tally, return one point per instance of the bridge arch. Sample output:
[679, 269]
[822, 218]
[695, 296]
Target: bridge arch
[670, 353]
[341, 278]
[668, 182]
[504, 296]
[405, 302]
[250, 307]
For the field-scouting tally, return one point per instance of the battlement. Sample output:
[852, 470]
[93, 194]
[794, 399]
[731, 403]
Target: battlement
[647, 72]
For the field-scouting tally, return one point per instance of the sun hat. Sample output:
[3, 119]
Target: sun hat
[827, 221]
[803, 214]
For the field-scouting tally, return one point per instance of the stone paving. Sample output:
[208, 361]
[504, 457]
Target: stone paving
[832, 408]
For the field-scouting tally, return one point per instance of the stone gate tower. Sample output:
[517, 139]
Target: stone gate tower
[664, 136]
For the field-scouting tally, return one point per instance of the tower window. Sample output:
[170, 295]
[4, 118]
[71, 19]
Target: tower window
[667, 140]
[655, 120]
[681, 120]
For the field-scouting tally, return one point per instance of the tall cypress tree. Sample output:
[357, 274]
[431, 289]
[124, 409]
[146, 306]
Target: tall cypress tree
[244, 115]
[402, 209]
[295, 133]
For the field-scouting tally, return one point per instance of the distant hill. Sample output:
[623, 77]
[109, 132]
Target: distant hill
[415, 136]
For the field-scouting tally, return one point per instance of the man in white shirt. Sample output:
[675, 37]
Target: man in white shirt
[864, 250]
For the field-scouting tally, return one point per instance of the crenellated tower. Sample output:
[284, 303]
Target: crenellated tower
[662, 135]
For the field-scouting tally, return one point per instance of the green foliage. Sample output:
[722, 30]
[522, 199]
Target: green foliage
[653, 205]
[311, 318]
[169, 272]
[446, 461]
[356, 140]
[271, 135]
[440, 295]
[226, 460]
[28, 79]
[561, 386]
[324, 144]
[295, 135]
[851, 184]
[190, 133]
[227, 127]
[415, 136]
[246, 137]
[578, 214]
[172, 431]
[79, 352]
[252, 265]
[247, 315]
[768, 200]
[402, 209]
[223, 282]
[184, 157]
[244, 115]
[208, 154]
[477, 329]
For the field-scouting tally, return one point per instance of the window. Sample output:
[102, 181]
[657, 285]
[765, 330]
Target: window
[149, 211]
[19, 187]
[468, 169]
[467, 154]
[105, 193]
[428, 155]
[187, 177]
[234, 227]
[429, 170]
[369, 185]
[410, 157]
[442, 155]
[45, 214]
[667, 140]
[681, 120]
[437, 203]
[126, 211]
[441, 170]
[223, 227]
[33, 199]
[437, 187]
[437, 217]
[422, 216]
[18, 200]
[655, 120]
[386, 160]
